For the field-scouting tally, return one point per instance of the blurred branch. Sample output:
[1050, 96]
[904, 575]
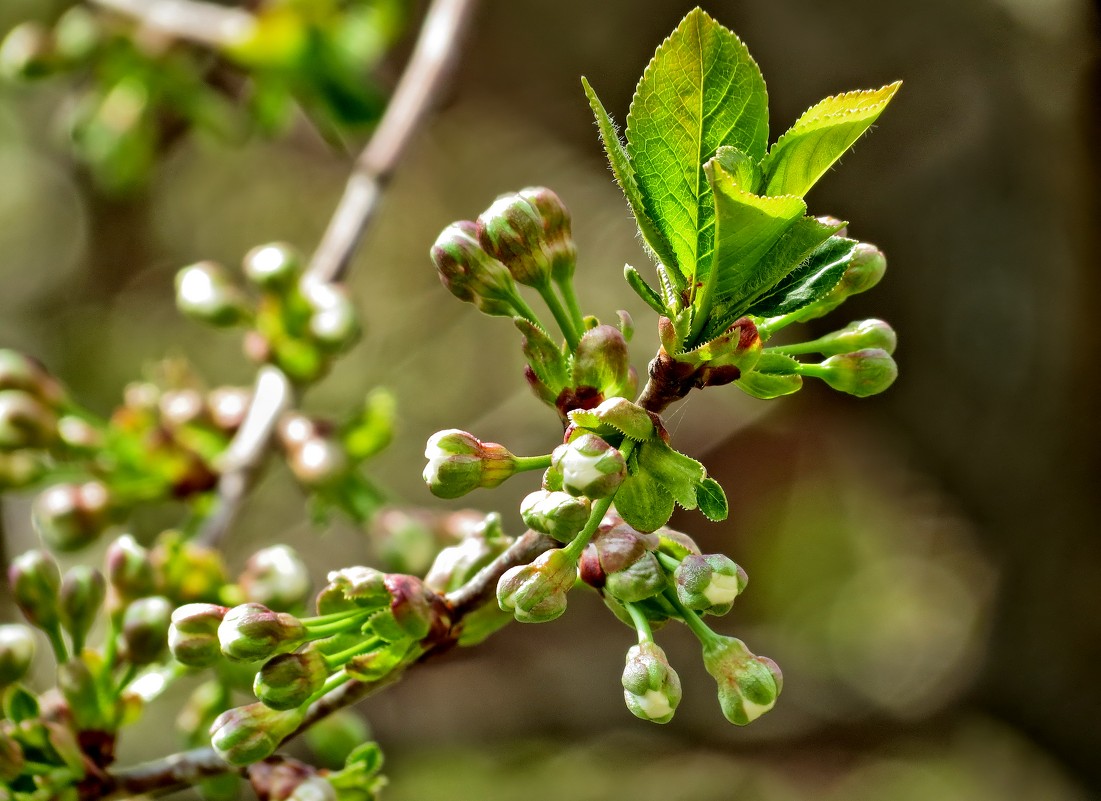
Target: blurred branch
[432, 61]
[193, 20]
[184, 769]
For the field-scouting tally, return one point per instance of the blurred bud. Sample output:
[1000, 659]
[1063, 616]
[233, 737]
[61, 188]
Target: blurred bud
[590, 467]
[277, 578]
[511, 230]
[651, 688]
[11, 759]
[19, 371]
[709, 583]
[315, 788]
[318, 462]
[145, 629]
[458, 462]
[25, 422]
[204, 292]
[287, 681]
[27, 52]
[252, 631]
[77, 34]
[333, 738]
[35, 578]
[748, 685]
[536, 593]
[334, 324]
[78, 433]
[19, 469]
[82, 592]
[69, 517]
[275, 267]
[247, 734]
[556, 514]
[862, 373]
[186, 571]
[456, 565]
[227, 406]
[16, 652]
[471, 274]
[129, 571]
[193, 634]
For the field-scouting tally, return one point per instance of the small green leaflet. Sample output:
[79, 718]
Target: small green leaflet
[810, 281]
[702, 90]
[820, 137]
[643, 502]
[712, 500]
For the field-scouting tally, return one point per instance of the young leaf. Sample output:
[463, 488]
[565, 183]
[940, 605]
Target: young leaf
[712, 500]
[820, 137]
[644, 290]
[702, 90]
[624, 173]
[810, 281]
[643, 503]
[678, 474]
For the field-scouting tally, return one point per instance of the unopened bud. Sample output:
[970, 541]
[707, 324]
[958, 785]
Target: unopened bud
[859, 335]
[145, 629]
[641, 579]
[651, 688]
[601, 361]
[318, 462]
[69, 517]
[204, 292]
[536, 593]
[334, 324]
[471, 274]
[186, 571]
[459, 462]
[129, 571]
[27, 52]
[287, 681]
[12, 759]
[82, 592]
[18, 469]
[35, 578]
[193, 634]
[77, 34]
[247, 734]
[590, 467]
[862, 373]
[315, 788]
[556, 514]
[25, 422]
[274, 267]
[512, 231]
[227, 406]
[277, 578]
[748, 685]
[252, 631]
[557, 239]
[410, 614]
[865, 269]
[710, 582]
[16, 652]
[19, 371]
[457, 564]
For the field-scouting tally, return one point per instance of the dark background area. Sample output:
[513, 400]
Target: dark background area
[924, 565]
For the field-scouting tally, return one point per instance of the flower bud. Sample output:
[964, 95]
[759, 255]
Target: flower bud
[252, 631]
[333, 324]
[651, 688]
[27, 52]
[277, 578]
[536, 593]
[556, 514]
[145, 629]
[19, 469]
[82, 592]
[458, 462]
[12, 760]
[273, 267]
[78, 433]
[205, 293]
[315, 788]
[129, 571]
[247, 734]
[25, 422]
[457, 564]
[859, 335]
[557, 237]
[709, 583]
[69, 517]
[865, 269]
[511, 230]
[410, 615]
[748, 685]
[16, 652]
[318, 462]
[193, 634]
[601, 362]
[641, 579]
[35, 578]
[77, 34]
[227, 407]
[287, 681]
[19, 371]
[186, 571]
[861, 373]
[471, 274]
[590, 467]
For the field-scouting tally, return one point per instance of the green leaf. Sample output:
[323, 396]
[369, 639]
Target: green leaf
[712, 500]
[648, 294]
[820, 137]
[746, 171]
[20, 704]
[676, 473]
[702, 90]
[643, 502]
[615, 416]
[775, 375]
[810, 281]
[624, 173]
[733, 299]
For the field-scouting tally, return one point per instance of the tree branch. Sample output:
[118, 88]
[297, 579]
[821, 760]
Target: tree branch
[193, 20]
[433, 58]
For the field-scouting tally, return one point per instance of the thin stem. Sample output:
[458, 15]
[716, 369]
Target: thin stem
[521, 307]
[57, 644]
[670, 563]
[642, 625]
[336, 660]
[565, 324]
[766, 328]
[526, 463]
[567, 289]
[600, 508]
[703, 633]
[127, 677]
[330, 684]
[321, 630]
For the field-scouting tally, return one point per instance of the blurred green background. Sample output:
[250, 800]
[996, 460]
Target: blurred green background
[924, 565]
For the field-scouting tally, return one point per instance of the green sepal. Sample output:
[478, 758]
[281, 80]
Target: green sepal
[376, 665]
[615, 416]
[808, 283]
[775, 375]
[643, 503]
[544, 356]
[20, 704]
[648, 294]
[711, 499]
[601, 361]
[676, 473]
[820, 137]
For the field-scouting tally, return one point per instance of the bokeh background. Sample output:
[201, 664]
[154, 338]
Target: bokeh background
[925, 565]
